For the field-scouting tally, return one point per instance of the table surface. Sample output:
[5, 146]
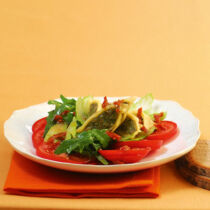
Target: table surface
[112, 48]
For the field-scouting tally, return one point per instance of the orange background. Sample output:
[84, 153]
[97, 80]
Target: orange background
[112, 48]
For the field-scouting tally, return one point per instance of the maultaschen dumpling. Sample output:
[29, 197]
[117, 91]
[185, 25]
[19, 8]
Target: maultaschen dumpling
[106, 118]
[130, 127]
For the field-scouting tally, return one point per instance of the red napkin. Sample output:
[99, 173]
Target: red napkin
[28, 178]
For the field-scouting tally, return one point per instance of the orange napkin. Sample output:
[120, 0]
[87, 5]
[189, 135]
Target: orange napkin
[26, 177]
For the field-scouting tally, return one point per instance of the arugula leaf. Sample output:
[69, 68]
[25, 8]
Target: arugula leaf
[54, 102]
[78, 145]
[63, 147]
[86, 143]
[68, 118]
[68, 101]
[102, 159]
[102, 137]
[85, 134]
[66, 104]
[50, 121]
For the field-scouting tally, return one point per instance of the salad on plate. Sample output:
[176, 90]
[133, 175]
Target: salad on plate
[88, 131]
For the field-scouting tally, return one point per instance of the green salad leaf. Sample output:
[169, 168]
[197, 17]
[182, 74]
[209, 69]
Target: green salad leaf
[144, 102]
[72, 129]
[68, 117]
[83, 108]
[86, 143]
[102, 159]
[66, 104]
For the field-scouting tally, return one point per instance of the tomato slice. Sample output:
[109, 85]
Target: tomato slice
[125, 156]
[153, 144]
[165, 130]
[37, 137]
[39, 124]
[46, 151]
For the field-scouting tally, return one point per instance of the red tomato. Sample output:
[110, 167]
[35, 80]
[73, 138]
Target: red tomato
[37, 137]
[118, 103]
[105, 103]
[139, 115]
[165, 130]
[58, 118]
[46, 151]
[158, 117]
[39, 124]
[113, 136]
[125, 156]
[153, 144]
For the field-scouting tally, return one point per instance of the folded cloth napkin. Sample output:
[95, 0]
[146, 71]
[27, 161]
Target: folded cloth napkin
[28, 178]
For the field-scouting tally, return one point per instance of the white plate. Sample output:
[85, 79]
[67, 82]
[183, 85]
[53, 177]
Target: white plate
[17, 130]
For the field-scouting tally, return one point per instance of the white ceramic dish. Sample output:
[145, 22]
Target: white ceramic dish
[17, 130]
